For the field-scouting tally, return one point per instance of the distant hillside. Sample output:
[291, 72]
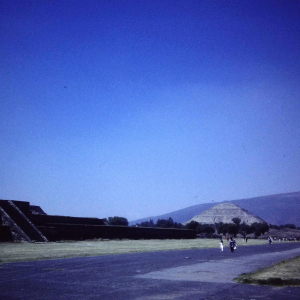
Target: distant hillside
[277, 209]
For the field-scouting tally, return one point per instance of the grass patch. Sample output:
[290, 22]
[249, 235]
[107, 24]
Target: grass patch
[287, 272]
[17, 252]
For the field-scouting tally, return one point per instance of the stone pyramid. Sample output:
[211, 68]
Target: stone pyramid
[225, 212]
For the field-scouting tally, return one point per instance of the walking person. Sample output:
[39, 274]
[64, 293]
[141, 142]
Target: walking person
[232, 244]
[270, 240]
[221, 245]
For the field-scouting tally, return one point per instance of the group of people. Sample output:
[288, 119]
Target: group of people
[232, 244]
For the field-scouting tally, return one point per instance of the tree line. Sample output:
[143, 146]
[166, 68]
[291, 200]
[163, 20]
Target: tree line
[161, 223]
[231, 229]
[290, 226]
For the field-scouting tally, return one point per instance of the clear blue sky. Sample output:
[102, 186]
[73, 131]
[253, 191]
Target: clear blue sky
[139, 108]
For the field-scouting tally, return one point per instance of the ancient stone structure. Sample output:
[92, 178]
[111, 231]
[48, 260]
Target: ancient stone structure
[20, 221]
[16, 215]
[225, 212]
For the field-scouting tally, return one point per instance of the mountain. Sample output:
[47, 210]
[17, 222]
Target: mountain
[276, 209]
[225, 212]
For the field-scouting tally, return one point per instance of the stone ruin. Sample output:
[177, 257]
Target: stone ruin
[20, 221]
[224, 213]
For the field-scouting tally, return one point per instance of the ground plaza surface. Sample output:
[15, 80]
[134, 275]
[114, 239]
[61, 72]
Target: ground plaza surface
[183, 274]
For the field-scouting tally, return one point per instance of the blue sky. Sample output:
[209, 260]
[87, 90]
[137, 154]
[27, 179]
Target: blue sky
[139, 108]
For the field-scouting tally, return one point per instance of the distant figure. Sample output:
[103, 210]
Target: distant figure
[246, 238]
[221, 245]
[227, 238]
[270, 240]
[232, 244]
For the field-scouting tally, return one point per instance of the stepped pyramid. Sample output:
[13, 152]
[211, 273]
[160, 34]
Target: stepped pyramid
[225, 212]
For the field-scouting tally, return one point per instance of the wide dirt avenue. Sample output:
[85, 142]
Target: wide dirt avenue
[184, 274]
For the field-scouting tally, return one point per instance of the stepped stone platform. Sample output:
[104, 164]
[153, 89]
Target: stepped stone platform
[15, 215]
[224, 213]
[31, 224]
[20, 221]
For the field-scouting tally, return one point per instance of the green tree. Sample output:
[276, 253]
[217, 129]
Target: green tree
[178, 225]
[192, 225]
[232, 229]
[147, 224]
[222, 228]
[205, 228]
[236, 221]
[162, 223]
[170, 223]
[120, 221]
[265, 228]
[245, 229]
[291, 226]
[167, 223]
[259, 229]
[218, 227]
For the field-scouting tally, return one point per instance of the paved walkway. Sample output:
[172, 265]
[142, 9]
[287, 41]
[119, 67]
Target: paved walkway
[188, 274]
[223, 270]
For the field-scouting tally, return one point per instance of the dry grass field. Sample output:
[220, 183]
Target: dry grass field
[286, 272]
[16, 252]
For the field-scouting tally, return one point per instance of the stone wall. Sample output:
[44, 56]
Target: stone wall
[82, 232]
[44, 220]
